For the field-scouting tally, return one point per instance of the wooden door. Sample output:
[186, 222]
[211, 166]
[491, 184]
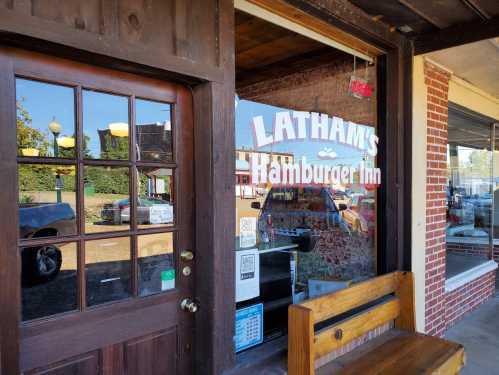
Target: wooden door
[105, 189]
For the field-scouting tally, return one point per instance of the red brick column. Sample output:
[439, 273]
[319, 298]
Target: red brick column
[437, 83]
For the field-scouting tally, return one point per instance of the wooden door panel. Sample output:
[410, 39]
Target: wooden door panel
[152, 355]
[139, 335]
[86, 364]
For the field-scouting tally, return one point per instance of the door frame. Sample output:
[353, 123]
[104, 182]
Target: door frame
[163, 309]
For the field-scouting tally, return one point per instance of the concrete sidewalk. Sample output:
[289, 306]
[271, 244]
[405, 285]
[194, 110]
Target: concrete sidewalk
[479, 333]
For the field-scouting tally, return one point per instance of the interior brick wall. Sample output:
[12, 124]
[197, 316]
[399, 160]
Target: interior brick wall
[437, 83]
[322, 89]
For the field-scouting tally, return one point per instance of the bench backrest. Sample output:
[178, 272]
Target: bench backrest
[305, 345]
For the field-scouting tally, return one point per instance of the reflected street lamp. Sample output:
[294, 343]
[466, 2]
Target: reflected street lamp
[55, 128]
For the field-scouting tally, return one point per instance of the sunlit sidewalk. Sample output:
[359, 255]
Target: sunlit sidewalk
[479, 333]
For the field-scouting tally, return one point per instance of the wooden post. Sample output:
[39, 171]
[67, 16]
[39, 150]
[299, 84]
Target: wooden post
[405, 293]
[300, 341]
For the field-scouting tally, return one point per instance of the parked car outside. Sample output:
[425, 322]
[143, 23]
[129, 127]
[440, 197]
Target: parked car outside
[43, 263]
[118, 212]
[360, 216]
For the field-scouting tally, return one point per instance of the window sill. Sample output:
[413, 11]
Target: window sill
[465, 277]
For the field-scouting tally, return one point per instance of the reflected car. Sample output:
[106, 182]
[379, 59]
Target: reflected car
[361, 215]
[341, 197]
[118, 212]
[36, 220]
[298, 213]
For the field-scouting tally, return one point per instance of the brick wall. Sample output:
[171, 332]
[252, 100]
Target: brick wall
[468, 297]
[443, 309]
[437, 83]
[480, 250]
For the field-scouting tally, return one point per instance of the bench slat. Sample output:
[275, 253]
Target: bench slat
[352, 328]
[331, 305]
[408, 354]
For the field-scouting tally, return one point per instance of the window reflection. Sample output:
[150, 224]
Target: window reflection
[105, 126]
[107, 269]
[469, 191]
[45, 119]
[154, 131]
[156, 263]
[106, 199]
[49, 280]
[305, 198]
[47, 200]
[155, 201]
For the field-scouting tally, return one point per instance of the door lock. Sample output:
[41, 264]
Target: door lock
[186, 271]
[189, 305]
[186, 255]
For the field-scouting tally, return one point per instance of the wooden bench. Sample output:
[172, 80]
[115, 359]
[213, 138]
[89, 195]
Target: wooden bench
[400, 350]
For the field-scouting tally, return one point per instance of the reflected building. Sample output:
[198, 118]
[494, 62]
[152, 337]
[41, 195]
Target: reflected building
[154, 141]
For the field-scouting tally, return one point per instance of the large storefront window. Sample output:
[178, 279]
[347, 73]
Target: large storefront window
[306, 180]
[471, 192]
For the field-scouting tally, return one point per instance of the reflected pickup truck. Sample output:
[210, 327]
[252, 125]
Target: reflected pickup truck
[42, 263]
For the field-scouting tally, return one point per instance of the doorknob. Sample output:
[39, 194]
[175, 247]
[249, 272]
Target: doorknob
[186, 255]
[189, 305]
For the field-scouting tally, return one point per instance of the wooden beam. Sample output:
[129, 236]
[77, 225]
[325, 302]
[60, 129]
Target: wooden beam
[309, 60]
[298, 22]
[352, 20]
[456, 35]
[415, 6]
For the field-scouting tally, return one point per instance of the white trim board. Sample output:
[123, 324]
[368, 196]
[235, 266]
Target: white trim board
[468, 276]
[257, 11]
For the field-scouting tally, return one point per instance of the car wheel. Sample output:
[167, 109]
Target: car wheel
[41, 264]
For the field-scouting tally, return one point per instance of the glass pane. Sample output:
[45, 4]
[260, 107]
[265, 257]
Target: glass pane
[47, 200]
[495, 197]
[305, 195]
[155, 204]
[156, 263]
[45, 119]
[107, 199]
[469, 192]
[154, 131]
[49, 280]
[107, 268]
[105, 126]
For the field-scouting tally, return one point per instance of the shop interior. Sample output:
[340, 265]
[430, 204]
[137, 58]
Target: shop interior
[295, 240]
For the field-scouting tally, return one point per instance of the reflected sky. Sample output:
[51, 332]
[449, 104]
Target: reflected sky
[246, 110]
[44, 102]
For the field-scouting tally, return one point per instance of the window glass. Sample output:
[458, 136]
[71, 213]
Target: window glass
[155, 201]
[106, 199]
[45, 119]
[306, 187]
[49, 280]
[47, 200]
[469, 192]
[105, 126]
[107, 270]
[154, 131]
[156, 263]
